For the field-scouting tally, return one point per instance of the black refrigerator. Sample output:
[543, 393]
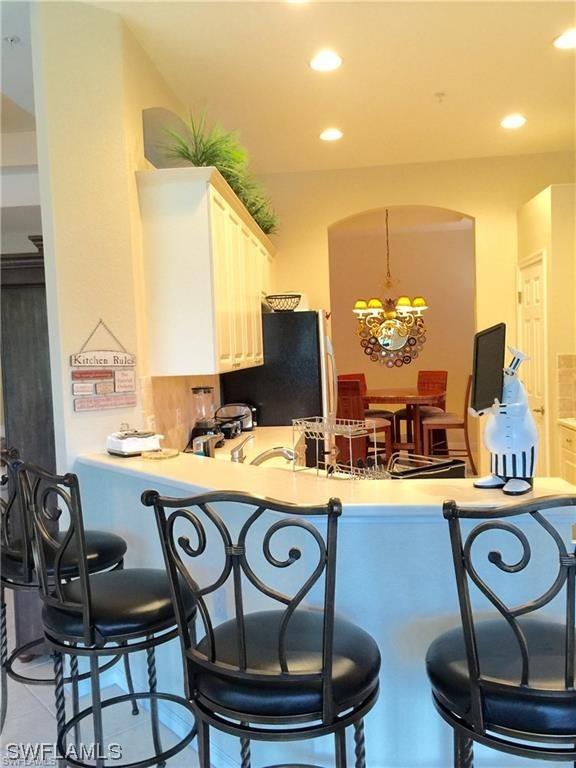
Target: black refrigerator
[298, 378]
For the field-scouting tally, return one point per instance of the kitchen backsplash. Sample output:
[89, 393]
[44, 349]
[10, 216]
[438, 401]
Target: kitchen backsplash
[168, 408]
[566, 386]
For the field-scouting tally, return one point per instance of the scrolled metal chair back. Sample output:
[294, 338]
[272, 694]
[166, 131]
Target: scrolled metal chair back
[15, 538]
[45, 496]
[466, 571]
[180, 553]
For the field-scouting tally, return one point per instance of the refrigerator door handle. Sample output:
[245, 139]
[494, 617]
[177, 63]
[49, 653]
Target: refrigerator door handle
[333, 386]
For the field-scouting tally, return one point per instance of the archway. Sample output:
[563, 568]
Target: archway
[431, 255]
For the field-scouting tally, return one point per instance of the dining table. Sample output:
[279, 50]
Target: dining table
[411, 397]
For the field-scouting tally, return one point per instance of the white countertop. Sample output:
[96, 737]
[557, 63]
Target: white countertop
[188, 473]
[570, 423]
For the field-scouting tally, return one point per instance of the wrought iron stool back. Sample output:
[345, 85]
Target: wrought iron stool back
[197, 512]
[94, 614]
[15, 538]
[46, 497]
[254, 653]
[494, 702]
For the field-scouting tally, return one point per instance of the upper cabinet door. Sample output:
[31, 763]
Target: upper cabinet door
[204, 268]
[223, 280]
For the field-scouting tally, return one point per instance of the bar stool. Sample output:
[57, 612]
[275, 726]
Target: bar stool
[104, 551]
[119, 611]
[272, 675]
[507, 682]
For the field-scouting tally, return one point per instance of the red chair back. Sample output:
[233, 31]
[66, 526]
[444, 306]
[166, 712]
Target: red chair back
[430, 382]
[351, 406]
[467, 399]
[355, 377]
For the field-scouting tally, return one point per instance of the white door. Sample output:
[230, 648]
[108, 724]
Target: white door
[532, 341]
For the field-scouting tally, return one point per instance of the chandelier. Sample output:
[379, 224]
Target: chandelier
[391, 332]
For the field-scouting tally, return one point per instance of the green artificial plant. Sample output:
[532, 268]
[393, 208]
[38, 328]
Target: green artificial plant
[203, 146]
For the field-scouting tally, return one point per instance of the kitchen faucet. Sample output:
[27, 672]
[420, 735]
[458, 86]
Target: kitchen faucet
[204, 445]
[272, 453]
[237, 453]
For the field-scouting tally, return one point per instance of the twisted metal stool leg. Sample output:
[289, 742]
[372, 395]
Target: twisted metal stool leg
[3, 659]
[463, 751]
[340, 743]
[60, 705]
[203, 737]
[97, 711]
[360, 748]
[245, 752]
[75, 698]
[128, 673]
[152, 683]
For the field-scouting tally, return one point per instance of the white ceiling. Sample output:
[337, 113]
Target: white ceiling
[246, 63]
[16, 80]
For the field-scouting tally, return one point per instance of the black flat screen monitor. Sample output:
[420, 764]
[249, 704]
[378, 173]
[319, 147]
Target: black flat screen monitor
[487, 371]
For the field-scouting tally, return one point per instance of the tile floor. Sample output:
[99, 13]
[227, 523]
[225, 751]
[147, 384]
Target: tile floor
[31, 720]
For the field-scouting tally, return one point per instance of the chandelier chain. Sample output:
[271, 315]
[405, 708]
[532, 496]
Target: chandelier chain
[388, 273]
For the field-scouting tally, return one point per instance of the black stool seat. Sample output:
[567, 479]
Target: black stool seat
[355, 667]
[103, 550]
[550, 709]
[133, 602]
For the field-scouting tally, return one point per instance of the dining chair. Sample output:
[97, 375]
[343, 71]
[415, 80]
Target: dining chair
[120, 612]
[356, 451]
[506, 679]
[285, 671]
[369, 413]
[429, 382]
[445, 421]
[18, 573]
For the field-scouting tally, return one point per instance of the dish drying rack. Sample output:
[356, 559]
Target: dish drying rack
[315, 446]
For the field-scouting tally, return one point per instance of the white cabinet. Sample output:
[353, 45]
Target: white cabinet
[205, 268]
[568, 454]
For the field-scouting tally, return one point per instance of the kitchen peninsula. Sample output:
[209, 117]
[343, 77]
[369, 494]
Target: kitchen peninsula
[395, 578]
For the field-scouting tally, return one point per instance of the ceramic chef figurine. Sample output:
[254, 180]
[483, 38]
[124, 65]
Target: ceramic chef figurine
[510, 435]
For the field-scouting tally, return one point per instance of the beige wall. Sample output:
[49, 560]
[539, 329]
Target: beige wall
[91, 85]
[547, 223]
[490, 190]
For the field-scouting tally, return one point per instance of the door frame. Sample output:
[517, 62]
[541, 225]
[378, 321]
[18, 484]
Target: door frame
[541, 257]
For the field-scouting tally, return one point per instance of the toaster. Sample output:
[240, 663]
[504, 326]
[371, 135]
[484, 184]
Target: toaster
[132, 442]
[242, 412]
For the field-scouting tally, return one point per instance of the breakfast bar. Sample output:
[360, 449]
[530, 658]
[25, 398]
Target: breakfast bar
[394, 578]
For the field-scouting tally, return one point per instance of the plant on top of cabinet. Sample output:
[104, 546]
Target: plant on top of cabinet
[203, 146]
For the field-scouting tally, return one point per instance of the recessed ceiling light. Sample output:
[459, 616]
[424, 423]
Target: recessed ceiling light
[331, 134]
[513, 121]
[326, 61]
[567, 40]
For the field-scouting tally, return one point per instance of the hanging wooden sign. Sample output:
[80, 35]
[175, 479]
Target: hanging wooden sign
[103, 375]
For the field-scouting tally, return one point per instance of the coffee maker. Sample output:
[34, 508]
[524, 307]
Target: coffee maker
[205, 424]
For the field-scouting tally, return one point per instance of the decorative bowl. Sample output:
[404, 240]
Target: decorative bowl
[284, 302]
